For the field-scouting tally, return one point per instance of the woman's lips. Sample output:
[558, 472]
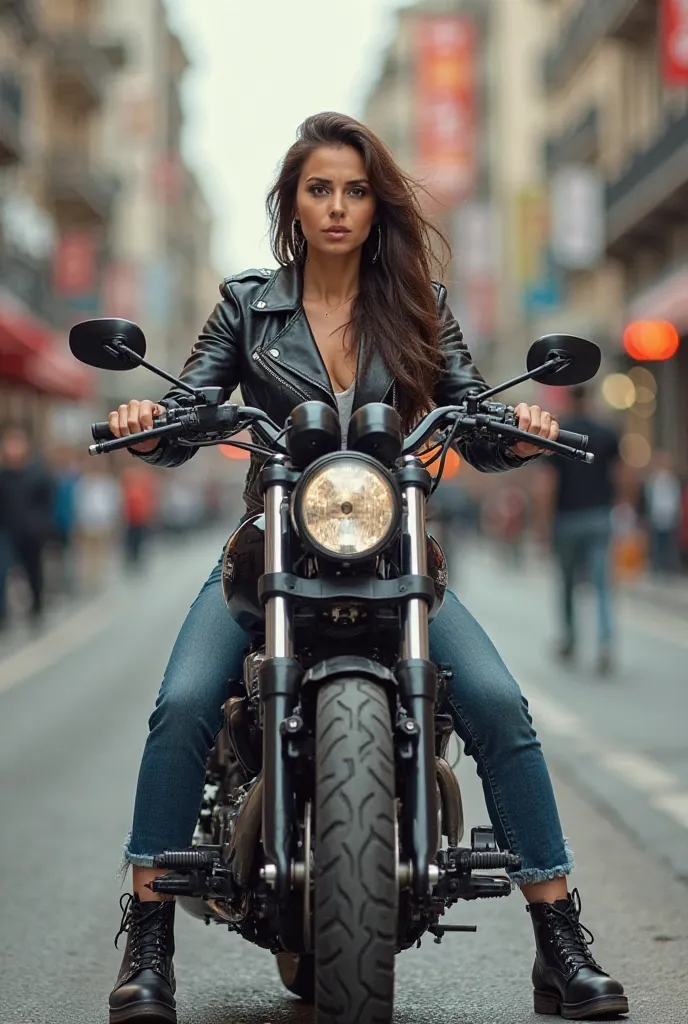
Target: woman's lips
[337, 232]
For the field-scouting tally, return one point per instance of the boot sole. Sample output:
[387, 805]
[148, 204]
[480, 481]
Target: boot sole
[603, 1006]
[150, 1013]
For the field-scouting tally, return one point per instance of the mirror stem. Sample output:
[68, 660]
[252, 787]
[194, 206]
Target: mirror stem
[118, 348]
[549, 367]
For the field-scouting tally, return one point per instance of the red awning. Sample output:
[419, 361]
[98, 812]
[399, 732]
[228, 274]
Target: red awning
[30, 352]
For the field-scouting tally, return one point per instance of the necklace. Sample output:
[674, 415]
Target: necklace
[335, 308]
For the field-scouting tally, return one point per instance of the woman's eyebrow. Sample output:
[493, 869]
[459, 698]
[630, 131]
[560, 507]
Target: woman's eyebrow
[328, 181]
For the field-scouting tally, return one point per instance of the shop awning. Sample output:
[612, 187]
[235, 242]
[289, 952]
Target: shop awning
[31, 353]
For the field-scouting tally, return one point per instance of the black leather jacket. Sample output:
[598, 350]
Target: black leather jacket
[258, 337]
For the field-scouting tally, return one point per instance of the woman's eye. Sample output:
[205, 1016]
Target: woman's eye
[359, 192]
[317, 190]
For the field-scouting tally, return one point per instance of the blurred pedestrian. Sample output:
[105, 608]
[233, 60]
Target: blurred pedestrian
[27, 495]
[98, 511]
[582, 498]
[67, 475]
[139, 506]
[662, 507]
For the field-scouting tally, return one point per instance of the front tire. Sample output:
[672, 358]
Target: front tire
[356, 890]
[298, 975]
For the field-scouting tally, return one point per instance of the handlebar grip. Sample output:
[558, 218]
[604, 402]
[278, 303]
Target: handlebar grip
[574, 440]
[101, 432]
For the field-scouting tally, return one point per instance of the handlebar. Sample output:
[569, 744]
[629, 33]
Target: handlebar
[215, 424]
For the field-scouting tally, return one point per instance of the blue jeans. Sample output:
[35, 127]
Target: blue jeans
[490, 716]
[582, 541]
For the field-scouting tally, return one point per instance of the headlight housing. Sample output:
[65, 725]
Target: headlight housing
[346, 507]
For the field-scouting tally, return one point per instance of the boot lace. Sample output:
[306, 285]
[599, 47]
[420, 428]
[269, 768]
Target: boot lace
[146, 943]
[574, 939]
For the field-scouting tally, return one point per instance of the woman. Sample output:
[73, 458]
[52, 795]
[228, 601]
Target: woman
[351, 317]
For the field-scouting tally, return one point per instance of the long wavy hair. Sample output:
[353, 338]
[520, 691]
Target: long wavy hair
[396, 307]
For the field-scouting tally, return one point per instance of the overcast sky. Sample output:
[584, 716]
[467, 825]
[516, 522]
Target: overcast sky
[260, 68]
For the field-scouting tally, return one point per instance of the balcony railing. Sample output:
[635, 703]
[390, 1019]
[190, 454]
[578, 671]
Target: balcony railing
[590, 23]
[577, 145]
[651, 180]
[10, 120]
[81, 192]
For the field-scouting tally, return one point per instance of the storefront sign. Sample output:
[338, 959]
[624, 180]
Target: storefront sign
[674, 42]
[537, 276]
[445, 59]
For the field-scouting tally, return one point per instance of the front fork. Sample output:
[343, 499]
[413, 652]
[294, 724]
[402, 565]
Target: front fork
[280, 675]
[417, 678]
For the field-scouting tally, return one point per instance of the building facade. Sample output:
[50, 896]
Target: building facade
[99, 213]
[613, 108]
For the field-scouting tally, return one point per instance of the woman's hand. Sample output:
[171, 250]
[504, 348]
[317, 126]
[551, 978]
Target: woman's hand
[134, 417]
[536, 421]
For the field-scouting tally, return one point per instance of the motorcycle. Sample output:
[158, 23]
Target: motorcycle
[328, 796]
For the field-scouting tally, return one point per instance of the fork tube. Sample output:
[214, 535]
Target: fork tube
[278, 631]
[279, 678]
[415, 643]
[417, 678]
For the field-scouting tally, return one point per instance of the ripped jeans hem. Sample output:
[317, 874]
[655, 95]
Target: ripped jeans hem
[135, 859]
[530, 876]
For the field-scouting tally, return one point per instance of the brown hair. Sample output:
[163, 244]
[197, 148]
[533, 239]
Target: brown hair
[396, 307]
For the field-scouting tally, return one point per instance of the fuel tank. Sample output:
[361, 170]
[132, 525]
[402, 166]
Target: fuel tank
[244, 562]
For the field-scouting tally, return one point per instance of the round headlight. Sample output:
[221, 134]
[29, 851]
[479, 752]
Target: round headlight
[346, 507]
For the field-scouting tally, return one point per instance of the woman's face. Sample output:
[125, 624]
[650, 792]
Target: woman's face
[334, 200]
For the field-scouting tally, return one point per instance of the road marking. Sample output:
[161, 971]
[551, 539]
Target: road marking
[640, 771]
[674, 804]
[635, 770]
[667, 628]
[60, 640]
[556, 719]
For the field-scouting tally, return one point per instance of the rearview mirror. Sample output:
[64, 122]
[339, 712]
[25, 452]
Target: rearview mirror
[585, 358]
[92, 343]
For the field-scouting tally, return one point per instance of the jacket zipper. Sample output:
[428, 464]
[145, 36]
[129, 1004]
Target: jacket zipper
[258, 358]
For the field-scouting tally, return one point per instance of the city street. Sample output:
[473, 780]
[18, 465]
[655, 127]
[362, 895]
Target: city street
[73, 711]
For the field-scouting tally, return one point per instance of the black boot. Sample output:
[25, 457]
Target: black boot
[144, 990]
[566, 978]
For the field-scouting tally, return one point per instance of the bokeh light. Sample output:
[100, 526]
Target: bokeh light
[635, 450]
[618, 390]
[651, 340]
[645, 383]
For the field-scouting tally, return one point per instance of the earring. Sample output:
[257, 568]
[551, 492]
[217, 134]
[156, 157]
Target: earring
[298, 242]
[376, 257]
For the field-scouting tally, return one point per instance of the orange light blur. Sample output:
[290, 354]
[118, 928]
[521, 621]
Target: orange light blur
[452, 464]
[651, 340]
[230, 452]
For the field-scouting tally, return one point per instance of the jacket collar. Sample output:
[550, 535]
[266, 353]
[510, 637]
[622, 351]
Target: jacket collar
[283, 293]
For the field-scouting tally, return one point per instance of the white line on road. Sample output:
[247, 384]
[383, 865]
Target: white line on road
[674, 804]
[635, 770]
[639, 770]
[668, 628]
[60, 640]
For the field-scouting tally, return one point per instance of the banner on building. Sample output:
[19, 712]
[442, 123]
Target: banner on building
[75, 265]
[475, 242]
[537, 276]
[578, 217]
[674, 34]
[445, 105]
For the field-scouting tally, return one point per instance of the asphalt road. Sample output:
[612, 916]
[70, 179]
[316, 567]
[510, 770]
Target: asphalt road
[73, 710]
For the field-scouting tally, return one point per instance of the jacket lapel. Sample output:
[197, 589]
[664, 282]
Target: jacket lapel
[293, 349]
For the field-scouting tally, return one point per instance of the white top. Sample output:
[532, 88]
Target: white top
[345, 402]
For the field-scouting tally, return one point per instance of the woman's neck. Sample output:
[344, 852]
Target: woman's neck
[329, 280]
